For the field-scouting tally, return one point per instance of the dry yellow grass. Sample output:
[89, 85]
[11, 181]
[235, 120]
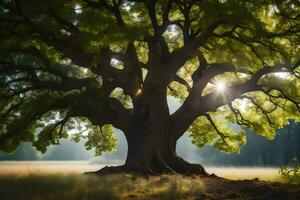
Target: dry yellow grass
[240, 173]
[25, 168]
[63, 180]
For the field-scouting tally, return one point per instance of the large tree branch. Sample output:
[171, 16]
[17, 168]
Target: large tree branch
[264, 39]
[196, 105]
[129, 78]
[167, 12]
[182, 55]
[107, 111]
[282, 95]
[114, 8]
[185, 8]
[222, 135]
[70, 49]
[237, 91]
[150, 4]
[65, 82]
[183, 82]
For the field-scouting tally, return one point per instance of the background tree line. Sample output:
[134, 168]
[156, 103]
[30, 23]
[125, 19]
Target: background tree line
[258, 151]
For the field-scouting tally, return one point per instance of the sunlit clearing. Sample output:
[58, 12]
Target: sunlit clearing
[43, 168]
[282, 74]
[220, 86]
[238, 173]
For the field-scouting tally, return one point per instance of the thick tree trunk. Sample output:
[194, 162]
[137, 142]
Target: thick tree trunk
[156, 155]
[152, 140]
[152, 149]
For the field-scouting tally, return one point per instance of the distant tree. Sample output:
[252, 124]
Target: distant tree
[24, 152]
[258, 151]
[89, 65]
[67, 150]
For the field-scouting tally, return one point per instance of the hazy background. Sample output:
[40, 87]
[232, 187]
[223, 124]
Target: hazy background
[257, 152]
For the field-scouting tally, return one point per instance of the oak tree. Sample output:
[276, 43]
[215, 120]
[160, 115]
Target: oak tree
[78, 68]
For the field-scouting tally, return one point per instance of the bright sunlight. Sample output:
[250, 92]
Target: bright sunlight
[220, 86]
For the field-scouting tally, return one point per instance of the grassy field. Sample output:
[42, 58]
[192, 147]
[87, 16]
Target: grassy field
[26, 168]
[64, 180]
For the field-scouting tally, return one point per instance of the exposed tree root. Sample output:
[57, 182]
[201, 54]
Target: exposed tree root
[174, 165]
[183, 167]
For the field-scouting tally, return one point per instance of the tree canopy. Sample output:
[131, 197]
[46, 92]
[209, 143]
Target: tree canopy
[88, 65]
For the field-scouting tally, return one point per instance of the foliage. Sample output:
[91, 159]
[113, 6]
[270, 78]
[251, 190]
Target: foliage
[90, 65]
[257, 152]
[293, 173]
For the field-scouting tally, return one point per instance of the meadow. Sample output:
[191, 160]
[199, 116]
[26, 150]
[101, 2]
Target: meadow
[64, 180]
[29, 168]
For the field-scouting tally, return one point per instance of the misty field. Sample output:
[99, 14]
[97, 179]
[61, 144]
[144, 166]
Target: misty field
[28, 168]
[64, 180]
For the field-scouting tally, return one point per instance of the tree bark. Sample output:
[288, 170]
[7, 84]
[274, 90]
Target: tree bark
[152, 141]
[150, 154]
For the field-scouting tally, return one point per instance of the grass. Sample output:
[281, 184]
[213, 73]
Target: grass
[63, 180]
[26, 168]
[90, 187]
[241, 173]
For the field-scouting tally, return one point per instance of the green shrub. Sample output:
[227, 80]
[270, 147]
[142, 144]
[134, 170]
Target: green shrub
[291, 174]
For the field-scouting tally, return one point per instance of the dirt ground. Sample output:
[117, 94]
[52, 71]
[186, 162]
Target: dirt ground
[126, 186]
[64, 180]
[219, 188]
